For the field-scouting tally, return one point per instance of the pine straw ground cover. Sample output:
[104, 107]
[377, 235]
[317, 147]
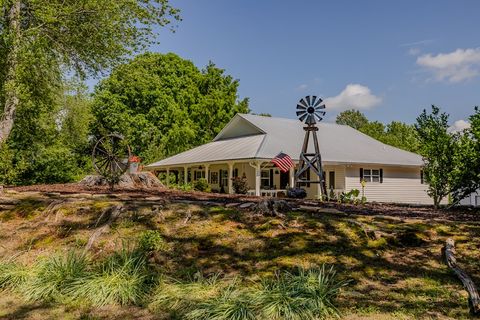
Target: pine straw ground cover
[403, 278]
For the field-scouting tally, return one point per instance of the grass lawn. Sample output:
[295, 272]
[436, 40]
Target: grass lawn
[399, 276]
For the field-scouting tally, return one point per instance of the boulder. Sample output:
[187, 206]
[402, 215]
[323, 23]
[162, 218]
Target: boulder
[127, 180]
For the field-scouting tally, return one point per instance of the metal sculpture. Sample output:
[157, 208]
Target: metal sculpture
[310, 110]
[111, 157]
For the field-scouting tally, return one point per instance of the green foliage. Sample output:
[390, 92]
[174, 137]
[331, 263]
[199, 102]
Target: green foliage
[397, 134]
[352, 118]
[466, 176]
[350, 197]
[437, 146]
[240, 185]
[53, 275]
[164, 104]
[201, 185]
[151, 240]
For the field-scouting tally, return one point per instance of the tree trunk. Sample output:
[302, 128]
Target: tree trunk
[12, 99]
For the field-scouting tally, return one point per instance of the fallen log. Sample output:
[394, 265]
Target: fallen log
[473, 297]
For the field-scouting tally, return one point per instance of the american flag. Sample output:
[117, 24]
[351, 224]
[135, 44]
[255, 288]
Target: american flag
[283, 161]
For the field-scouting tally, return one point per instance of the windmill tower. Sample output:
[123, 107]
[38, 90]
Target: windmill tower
[310, 110]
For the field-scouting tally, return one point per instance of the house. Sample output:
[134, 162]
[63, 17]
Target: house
[247, 144]
[472, 200]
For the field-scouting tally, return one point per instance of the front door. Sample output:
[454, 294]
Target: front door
[284, 177]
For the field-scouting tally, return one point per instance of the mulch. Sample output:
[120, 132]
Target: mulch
[369, 209]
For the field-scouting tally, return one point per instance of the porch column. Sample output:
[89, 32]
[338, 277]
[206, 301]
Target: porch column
[319, 187]
[291, 173]
[230, 176]
[185, 175]
[258, 175]
[206, 173]
[168, 177]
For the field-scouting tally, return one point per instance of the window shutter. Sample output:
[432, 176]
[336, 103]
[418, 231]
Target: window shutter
[381, 175]
[271, 178]
[421, 177]
[361, 174]
[220, 178]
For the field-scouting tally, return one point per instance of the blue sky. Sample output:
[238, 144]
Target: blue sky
[389, 59]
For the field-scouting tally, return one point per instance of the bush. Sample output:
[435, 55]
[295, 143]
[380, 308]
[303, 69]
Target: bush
[202, 185]
[151, 240]
[240, 185]
[349, 197]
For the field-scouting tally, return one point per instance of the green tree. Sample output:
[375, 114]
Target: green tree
[164, 104]
[467, 160]
[352, 118]
[41, 39]
[437, 147]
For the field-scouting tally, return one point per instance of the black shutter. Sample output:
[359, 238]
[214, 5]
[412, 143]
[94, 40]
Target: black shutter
[361, 174]
[421, 177]
[220, 183]
[271, 178]
[381, 175]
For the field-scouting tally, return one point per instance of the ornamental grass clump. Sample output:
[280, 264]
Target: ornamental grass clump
[122, 278]
[52, 277]
[232, 303]
[310, 294]
[12, 275]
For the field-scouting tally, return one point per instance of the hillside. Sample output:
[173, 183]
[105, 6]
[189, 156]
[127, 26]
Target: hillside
[392, 262]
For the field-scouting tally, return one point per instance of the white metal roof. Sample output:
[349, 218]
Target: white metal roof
[249, 136]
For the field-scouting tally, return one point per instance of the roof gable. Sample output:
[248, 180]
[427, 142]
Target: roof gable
[237, 127]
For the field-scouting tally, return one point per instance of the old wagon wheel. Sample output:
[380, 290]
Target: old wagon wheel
[111, 157]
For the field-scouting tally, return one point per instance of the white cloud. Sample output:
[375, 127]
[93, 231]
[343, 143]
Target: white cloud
[354, 96]
[456, 66]
[414, 51]
[417, 43]
[459, 125]
[302, 87]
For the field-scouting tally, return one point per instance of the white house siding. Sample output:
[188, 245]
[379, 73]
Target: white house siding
[472, 200]
[400, 184]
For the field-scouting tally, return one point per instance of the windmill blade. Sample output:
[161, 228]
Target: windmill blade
[303, 103]
[318, 102]
[320, 107]
[318, 117]
[320, 113]
[303, 117]
[314, 99]
[299, 113]
[300, 107]
[308, 100]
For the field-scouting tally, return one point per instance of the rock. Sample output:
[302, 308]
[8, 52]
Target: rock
[9, 201]
[153, 199]
[246, 205]
[231, 205]
[52, 194]
[6, 206]
[127, 180]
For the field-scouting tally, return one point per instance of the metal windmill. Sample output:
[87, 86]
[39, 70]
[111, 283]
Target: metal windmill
[310, 110]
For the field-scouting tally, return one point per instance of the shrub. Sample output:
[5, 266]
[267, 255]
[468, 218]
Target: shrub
[308, 295]
[53, 275]
[120, 279]
[240, 185]
[151, 240]
[201, 185]
[349, 197]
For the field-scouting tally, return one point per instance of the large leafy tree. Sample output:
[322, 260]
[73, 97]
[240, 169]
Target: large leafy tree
[164, 104]
[437, 146]
[466, 178]
[396, 133]
[41, 39]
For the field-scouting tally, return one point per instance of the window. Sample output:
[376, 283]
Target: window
[265, 179]
[371, 175]
[331, 180]
[198, 175]
[214, 177]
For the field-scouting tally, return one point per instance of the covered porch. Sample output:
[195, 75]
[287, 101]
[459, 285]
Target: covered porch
[263, 178]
